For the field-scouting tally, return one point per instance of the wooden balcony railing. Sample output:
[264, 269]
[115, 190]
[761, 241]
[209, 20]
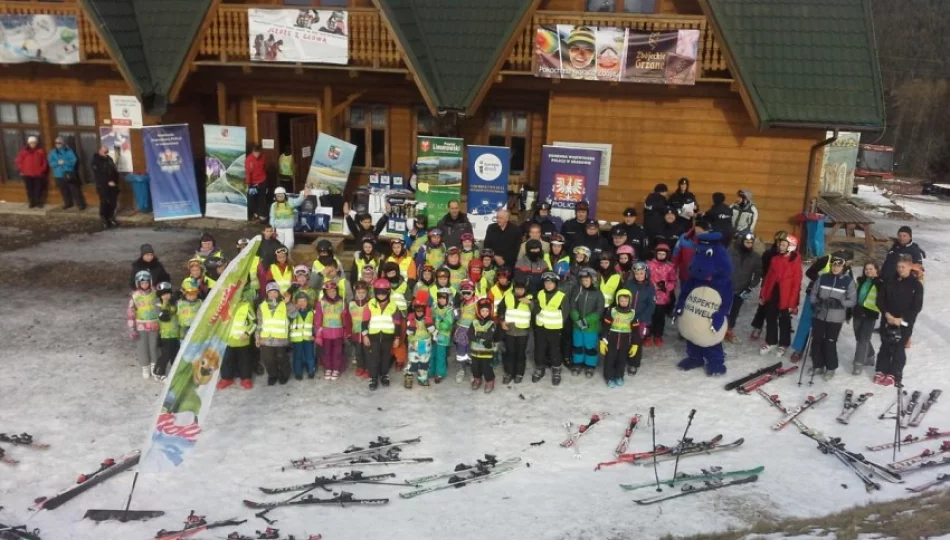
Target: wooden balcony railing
[91, 48]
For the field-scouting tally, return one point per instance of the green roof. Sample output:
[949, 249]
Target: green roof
[150, 39]
[452, 46]
[804, 63]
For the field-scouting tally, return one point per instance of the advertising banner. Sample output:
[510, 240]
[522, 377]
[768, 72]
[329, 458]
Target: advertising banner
[838, 164]
[186, 399]
[119, 142]
[298, 35]
[331, 163]
[51, 39]
[569, 176]
[488, 169]
[606, 151]
[126, 111]
[603, 53]
[225, 191]
[438, 174]
[171, 171]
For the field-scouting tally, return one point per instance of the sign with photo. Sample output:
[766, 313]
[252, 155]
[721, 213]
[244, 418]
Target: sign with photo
[171, 171]
[331, 164]
[119, 142]
[225, 151]
[569, 176]
[488, 169]
[298, 35]
[439, 174]
[603, 53]
[50, 39]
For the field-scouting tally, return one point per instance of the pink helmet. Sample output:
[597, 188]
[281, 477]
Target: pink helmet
[301, 269]
[625, 250]
[792, 242]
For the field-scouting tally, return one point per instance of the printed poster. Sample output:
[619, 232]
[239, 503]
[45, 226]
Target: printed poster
[569, 176]
[603, 53]
[225, 191]
[186, 398]
[606, 151]
[438, 174]
[171, 171]
[51, 39]
[331, 164]
[488, 169]
[119, 142]
[838, 164]
[298, 35]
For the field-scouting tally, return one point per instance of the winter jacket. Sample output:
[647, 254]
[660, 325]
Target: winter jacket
[720, 219]
[32, 162]
[638, 239]
[453, 229]
[745, 216]
[868, 289]
[746, 268]
[587, 305]
[104, 171]
[889, 268]
[663, 277]
[832, 297]
[285, 222]
[683, 253]
[155, 268]
[255, 170]
[644, 299]
[669, 234]
[653, 209]
[68, 158]
[595, 242]
[572, 230]
[504, 242]
[531, 270]
[901, 297]
[321, 331]
[784, 275]
[266, 249]
[548, 226]
[271, 310]
[767, 258]
[679, 200]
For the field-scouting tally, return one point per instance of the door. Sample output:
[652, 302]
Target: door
[268, 135]
[303, 138]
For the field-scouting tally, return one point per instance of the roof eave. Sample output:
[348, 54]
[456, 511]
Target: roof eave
[185, 66]
[412, 63]
[114, 48]
[827, 126]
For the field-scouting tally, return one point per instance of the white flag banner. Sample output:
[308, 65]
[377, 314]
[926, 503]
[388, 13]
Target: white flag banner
[298, 35]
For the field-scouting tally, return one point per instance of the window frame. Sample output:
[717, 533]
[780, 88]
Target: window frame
[368, 129]
[619, 6]
[25, 129]
[508, 132]
[83, 162]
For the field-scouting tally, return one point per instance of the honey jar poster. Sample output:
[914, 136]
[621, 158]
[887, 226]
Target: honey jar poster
[569, 176]
[604, 53]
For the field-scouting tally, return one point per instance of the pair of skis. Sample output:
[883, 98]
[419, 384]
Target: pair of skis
[23, 439]
[573, 437]
[107, 469]
[909, 415]
[931, 434]
[380, 446]
[269, 533]
[752, 376]
[793, 414]
[195, 524]
[462, 475]
[756, 383]
[685, 449]
[941, 479]
[851, 405]
[713, 473]
[924, 460]
[713, 484]
[344, 498]
[352, 477]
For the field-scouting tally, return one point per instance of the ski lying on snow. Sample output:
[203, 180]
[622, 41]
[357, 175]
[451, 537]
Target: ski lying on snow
[713, 473]
[690, 489]
[582, 430]
[851, 406]
[752, 385]
[370, 461]
[343, 499]
[382, 444]
[696, 452]
[755, 375]
[636, 457]
[19, 532]
[470, 477]
[931, 399]
[23, 439]
[942, 479]
[932, 433]
[810, 402]
[195, 524]
[108, 469]
[908, 411]
[914, 462]
[352, 477]
[625, 440]
[490, 461]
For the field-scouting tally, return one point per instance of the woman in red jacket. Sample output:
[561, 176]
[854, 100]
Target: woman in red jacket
[255, 176]
[33, 167]
[779, 295]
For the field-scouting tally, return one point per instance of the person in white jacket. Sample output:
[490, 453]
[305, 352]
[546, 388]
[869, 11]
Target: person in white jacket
[744, 213]
[283, 215]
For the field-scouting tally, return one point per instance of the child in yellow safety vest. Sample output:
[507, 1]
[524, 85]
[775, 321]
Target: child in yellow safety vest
[273, 333]
[620, 338]
[382, 329]
[332, 324]
[514, 312]
[197, 278]
[168, 338]
[550, 313]
[443, 315]
[142, 315]
[301, 284]
[238, 359]
[453, 262]
[489, 269]
[282, 271]
[467, 314]
[355, 308]
[302, 320]
[475, 276]
[468, 251]
[483, 337]
[366, 256]
[425, 282]
[420, 331]
[187, 309]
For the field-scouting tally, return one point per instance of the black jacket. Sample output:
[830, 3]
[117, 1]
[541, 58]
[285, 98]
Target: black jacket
[548, 226]
[669, 234]
[902, 298]
[653, 209]
[452, 229]
[746, 268]
[678, 200]
[595, 243]
[889, 268]
[504, 242]
[104, 171]
[638, 240]
[720, 218]
[572, 230]
[155, 268]
[266, 251]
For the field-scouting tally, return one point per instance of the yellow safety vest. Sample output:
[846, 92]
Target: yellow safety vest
[360, 263]
[319, 266]
[398, 296]
[146, 306]
[274, 325]
[550, 316]
[187, 311]
[608, 287]
[497, 294]
[340, 289]
[285, 165]
[870, 301]
[252, 273]
[242, 327]
[517, 311]
[381, 319]
[403, 263]
[284, 279]
[301, 328]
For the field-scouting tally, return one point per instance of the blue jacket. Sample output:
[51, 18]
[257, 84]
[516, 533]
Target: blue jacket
[644, 299]
[68, 157]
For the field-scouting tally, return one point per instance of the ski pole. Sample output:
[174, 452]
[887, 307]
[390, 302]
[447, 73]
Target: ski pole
[801, 374]
[897, 420]
[655, 473]
[128, 503]
[689, 423]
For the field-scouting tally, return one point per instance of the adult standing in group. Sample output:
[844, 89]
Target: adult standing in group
[542, 216]
[255, 176]
[832, 296]
[901, 301]
[504, 238]
[454, 224]
[654, 208]
[535, 233]
[148, 262]
[33, 167]
[107, 186]
[904, 245]
[719, 217]
[684, 201]
[745, 215]
[62, 160]
[573, 229]
[637, 237]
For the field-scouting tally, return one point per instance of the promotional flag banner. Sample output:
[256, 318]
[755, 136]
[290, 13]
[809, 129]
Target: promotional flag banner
[225, 191]
[569, 176]
[186, 398]
[331, 163]
[488, 169]
[171, 171]
[438, 174]
[51, 39]
[119, 142]
[298, 35]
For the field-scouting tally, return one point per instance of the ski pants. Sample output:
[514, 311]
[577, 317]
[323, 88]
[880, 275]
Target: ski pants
[461, 344]
[108, 202]
[585, 348]
[357, 352]
[418, 359]
[804, 327]
[146, 347]
[863, 348]
[567, 336]
[758, 320]
[286, 237]
[778, 323]
[618, 354]
[438, 366]
[275, 362]
[482, 368]
[304, 358]
[893, 356]
[71, 193]
[379, 356]
[737, 302]
[331, 354]
[257, 203]
[824, 344]
[168, 350]
[35, 189]
[658, 322]
[547, 348]
[515, 354]
[237, 363]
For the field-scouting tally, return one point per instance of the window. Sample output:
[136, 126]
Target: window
[628, 6]
[17, 122]
[318, 3]
[510, 128]
[366, 127]
[76, 124]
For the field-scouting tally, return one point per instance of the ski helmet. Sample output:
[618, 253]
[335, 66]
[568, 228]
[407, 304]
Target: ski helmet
[281, 249]
[625, 250]
[143, 275]
[550, 276]
[381, 286]
[443, 272]
[453, 251]
[626, 293]
[397, 240]
[484, 303]
[435, 232]
[242, 243]
[504, 272]
[639, 265]
[163, 288]
[421, 300]
[188, 287]
[272, 286]
[301, 294]
[301, 269]
[446, 292]
[582, 250]
[324, 246]
[587, 272]
[486, 252]
[792, 242]
[467, 236]
[467, 286]
[194, 261]
[521, 282]
[280, 191]
[557, 239]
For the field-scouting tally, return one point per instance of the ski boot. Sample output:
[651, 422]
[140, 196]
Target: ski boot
[556, 376]
[299, 377]
[271, 381]
[506, 379]
[460, 375]
[518, 379]
[857, 369]
[657, 341]
[407, 381]
[489, 386]
[611, 383]
[373, 383]
[423, 381]
[437, 379]
[589, 372]
[828, 375]
[476, 384]
[631, 370]
[537, 375]
[756, 334]
[575, 370]
[797, 357]
[384, 380]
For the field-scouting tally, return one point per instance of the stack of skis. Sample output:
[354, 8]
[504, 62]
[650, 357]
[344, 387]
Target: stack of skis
[927, 459]
[910, 415]
[382, 451]
[462, 475]
[753, 381]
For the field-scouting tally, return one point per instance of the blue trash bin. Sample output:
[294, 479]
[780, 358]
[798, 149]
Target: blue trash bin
[140, 191]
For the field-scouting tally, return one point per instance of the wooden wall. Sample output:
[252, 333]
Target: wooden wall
[661, 134]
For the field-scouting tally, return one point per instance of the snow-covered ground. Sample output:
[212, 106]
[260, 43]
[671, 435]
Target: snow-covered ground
[69, 377]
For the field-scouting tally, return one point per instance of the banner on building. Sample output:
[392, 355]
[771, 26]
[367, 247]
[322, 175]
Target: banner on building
[126, 111]
[330, 164]
[225, 191]
[119, 142]
[488, 169]
[569, 176]
[838, 164]
[438, 173]
[51, 39]
[298, 35]
[603, 53]
[186, 399]
[606, 152]
[171, 171]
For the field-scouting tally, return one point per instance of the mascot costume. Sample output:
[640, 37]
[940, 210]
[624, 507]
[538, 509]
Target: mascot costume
[705, 300]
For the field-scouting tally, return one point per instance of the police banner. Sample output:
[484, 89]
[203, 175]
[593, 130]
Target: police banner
[569, 176]
[186, 399]
[488, 168]
[171, 171]
[225, 191]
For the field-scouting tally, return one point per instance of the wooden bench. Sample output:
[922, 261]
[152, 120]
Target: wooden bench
[847, 216]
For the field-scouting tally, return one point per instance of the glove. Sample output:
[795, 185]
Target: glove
[633, 350]
[661, 286]
[603, 346]
[746, 293]
[833, 303]
[717, 320]
[644, 330]
[133, 334]
[582, 324]
[252, 191]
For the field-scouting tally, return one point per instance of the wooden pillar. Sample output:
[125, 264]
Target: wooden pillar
[222, 104]
[326, 112]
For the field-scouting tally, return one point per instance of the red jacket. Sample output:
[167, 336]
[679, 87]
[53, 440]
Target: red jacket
[32, 161]
[254, 170]
[786, 274]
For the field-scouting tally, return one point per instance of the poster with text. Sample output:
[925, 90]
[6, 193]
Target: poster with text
[606, 152]
[225, 191]
[569, 176]
[51, 39]
[331, 163]
[298, 35]
[171, 171]
[838, 164]
[488, 169]
[438, 174]
[616, 54]
[119, 142]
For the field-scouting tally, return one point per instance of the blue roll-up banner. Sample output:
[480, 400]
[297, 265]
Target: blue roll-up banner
[171, 171]
[488, 168]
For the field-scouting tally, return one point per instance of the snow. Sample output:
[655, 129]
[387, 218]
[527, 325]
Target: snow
[71, 379]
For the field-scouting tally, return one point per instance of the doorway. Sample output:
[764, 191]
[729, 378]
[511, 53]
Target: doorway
[288, 132]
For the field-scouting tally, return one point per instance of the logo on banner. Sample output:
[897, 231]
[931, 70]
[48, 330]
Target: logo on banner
[334, 152]
[169, 161]
[569, 187]
[425, 145]
[224, 133]
[488, 167]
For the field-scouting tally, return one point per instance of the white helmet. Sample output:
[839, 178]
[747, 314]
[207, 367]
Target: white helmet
[280, 191]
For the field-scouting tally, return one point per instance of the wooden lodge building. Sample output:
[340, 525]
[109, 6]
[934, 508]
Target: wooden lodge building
[771, 78]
